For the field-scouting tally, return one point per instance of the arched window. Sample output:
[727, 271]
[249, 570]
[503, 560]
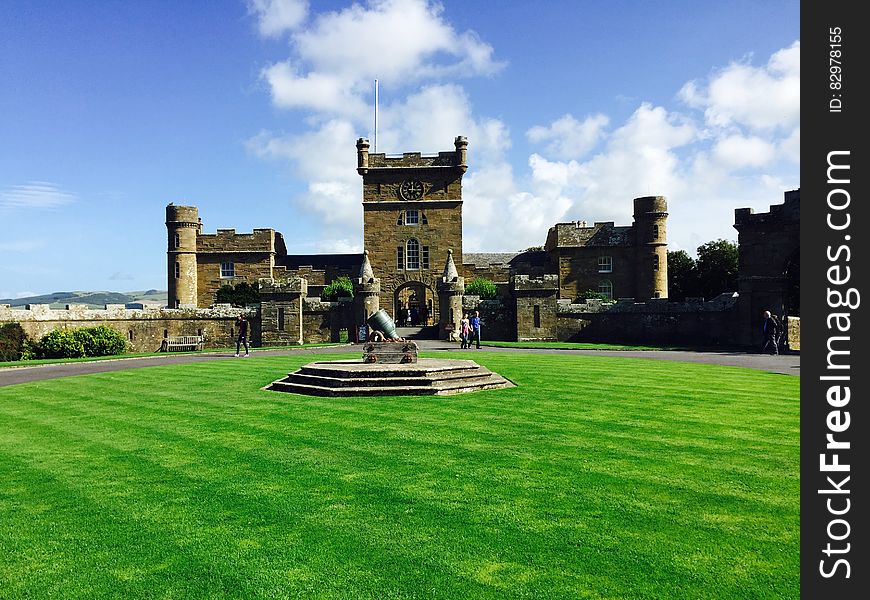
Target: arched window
[606, 288]
[412, 254]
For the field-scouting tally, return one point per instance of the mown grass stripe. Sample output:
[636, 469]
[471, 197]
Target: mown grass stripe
[596, 478]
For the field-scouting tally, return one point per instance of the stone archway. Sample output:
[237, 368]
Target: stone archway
[418, 298]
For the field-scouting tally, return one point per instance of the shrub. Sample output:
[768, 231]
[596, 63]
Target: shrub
[593, 295]
[86, 341]
[12, 341]
[484, 288]
[341, 287]
[61, 343]
[101, 341]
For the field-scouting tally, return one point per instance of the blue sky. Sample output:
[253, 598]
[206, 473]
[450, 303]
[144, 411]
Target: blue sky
[249, 110]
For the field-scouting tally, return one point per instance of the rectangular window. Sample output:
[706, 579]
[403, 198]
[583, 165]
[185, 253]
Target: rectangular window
[424, 258]
[177, 240]
[177, 270]
[412, 216]
[605, 264]
[228, 269]
[400, 258]
[537, 311]
[412, 256]
[281, 319]
[656, 262]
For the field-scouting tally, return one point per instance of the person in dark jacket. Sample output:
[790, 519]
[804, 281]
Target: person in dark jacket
[242, 324]
[768, 330]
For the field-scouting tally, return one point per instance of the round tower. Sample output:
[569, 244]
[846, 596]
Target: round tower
[182, 227]
[650, 227]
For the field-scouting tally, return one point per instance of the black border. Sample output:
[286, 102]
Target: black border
[824, 131]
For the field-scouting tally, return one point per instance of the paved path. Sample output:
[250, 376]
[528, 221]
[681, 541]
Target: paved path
[785, 364]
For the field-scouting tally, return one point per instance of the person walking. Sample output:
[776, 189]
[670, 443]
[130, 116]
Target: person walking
[779, 334]
[242, 324]
[475, 329]
[768, 330]
[464, 330]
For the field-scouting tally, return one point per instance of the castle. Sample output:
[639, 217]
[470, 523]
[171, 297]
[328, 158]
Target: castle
[412, 223]
[414, 259]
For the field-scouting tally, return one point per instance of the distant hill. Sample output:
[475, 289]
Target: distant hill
[92, 299]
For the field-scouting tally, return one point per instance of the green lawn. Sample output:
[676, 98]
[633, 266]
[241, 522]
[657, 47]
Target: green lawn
[595, 478]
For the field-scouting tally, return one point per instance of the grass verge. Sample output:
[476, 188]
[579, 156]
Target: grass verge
[596, 478]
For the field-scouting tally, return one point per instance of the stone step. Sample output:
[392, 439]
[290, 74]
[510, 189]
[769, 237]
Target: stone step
[352, 369]
[356, 378]
[428, 332]
[469, 375]
[444, 389]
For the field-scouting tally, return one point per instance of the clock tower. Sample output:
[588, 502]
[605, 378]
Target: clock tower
[412, 218]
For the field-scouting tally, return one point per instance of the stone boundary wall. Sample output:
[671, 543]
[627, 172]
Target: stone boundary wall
[145, 329]
[692, 322]
[498, 319]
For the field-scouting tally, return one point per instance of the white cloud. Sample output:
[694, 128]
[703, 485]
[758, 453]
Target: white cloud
[398, 42]
[275, 17]
[567, 137]
[740, 152]
[726, 150]
[35, 194]
[763, 98]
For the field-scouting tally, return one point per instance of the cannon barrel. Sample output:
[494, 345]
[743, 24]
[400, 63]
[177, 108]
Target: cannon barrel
[381, 321]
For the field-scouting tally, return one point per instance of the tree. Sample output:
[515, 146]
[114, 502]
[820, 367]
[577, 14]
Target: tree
[340, 287]
[241, 295]
[482, 287]
[717, 268]
[682, 276]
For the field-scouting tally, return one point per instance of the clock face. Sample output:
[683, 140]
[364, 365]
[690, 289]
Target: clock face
[411, 189]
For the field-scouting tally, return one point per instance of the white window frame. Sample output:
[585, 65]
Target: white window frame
[412, 217]
[424, 257]
[606, 287]
[412, 255]
[605, 264]
[228, 269]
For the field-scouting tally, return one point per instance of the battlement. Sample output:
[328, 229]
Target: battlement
[789, 210]
[409, 160]
[522, 283]
[227, 240]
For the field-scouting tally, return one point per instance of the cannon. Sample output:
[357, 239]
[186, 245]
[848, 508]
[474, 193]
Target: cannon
[381, 321]
[385, 345]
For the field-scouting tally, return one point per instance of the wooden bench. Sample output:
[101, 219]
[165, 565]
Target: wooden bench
[180, 343]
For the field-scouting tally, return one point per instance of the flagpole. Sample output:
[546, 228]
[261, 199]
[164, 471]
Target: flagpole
[376, 116]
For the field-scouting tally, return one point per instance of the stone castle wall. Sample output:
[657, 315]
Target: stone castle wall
[145, 329]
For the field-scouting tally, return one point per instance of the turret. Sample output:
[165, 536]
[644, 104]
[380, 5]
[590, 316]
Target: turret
[182, 227]
[362, 156]
[461, 144]
[451, 288]
[650, 222]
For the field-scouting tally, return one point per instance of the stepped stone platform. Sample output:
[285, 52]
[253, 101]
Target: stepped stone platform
[426, 377]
